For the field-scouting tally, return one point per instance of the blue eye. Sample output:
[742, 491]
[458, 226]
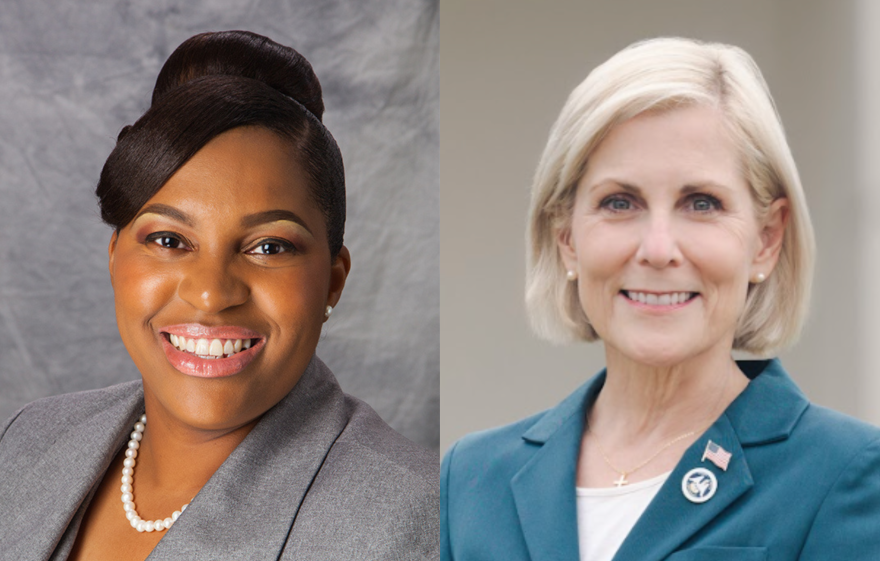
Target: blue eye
[704, 203]
[617, 203]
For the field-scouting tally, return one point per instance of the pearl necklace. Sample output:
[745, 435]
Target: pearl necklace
[128, 480]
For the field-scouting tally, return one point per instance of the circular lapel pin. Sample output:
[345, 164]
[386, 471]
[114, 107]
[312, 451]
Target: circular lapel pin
[699, 485]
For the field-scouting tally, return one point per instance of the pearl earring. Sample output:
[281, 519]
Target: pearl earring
[328, 311]
[571, 275]
[759, 278]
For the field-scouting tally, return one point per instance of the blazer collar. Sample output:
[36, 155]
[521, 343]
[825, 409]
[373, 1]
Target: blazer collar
[770, 407]
[766, 411]
[544, 489]
[251, 501]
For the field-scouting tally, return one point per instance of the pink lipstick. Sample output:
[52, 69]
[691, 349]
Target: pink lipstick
[210, 351]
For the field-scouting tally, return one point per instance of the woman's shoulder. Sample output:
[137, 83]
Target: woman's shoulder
[830, 432]
[496, 441]
[382, 450]
[831, 462]
[373, 482]
[513, 443]
[779, 407]
[48, 413]
[774, 410]
[494, 455]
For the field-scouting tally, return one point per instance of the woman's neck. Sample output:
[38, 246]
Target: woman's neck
[656, 403]
[646, 416]
[176, 457]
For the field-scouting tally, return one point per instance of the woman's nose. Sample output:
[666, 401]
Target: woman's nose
[210, 284]
[659, 244]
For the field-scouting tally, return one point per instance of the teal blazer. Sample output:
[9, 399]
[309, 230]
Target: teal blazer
[803, 483]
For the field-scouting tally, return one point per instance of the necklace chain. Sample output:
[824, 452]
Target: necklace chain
[620, 482]
[624, 472]
[128, 464]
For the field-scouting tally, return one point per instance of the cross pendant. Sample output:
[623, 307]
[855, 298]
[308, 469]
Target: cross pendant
[622, 481]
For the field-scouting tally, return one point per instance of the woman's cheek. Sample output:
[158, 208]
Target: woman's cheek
[141, 286]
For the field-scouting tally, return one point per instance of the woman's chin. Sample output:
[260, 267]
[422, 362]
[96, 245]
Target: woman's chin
[656, 354]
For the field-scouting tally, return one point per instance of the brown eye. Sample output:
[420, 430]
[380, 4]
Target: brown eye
[166, 240]
[271, 247]
[268, 249]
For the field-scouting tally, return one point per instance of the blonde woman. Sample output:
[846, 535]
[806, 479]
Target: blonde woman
[668, 221]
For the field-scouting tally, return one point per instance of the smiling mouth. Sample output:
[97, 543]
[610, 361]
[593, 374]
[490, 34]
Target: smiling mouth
[659, 299]
[209, 348]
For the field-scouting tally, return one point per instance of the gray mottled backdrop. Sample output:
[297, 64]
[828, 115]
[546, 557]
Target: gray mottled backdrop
[72, 74]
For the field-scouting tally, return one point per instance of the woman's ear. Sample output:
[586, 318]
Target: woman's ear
[566, 248]
[338, 273]
[771, 238]
[111, 252]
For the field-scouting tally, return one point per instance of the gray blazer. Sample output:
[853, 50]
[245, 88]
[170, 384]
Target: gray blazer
[320, 477]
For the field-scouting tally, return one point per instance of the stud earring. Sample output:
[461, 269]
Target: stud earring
[759, 278]
[328, 311]
[571, 275]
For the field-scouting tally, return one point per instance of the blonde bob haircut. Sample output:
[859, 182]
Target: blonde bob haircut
[659, 75]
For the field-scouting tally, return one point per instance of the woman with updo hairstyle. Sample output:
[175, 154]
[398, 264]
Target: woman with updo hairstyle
[668, 221]
[227, 201]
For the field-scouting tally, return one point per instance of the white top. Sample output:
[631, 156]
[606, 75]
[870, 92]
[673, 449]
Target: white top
[605, 516]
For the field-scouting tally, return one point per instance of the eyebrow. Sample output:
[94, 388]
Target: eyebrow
[165, 210]
[248, 221]
[635, 190]
[267, 216]
[632, 189]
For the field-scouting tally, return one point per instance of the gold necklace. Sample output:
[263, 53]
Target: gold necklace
[621, 481]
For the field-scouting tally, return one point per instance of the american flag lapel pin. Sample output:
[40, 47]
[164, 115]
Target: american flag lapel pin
[717, 455]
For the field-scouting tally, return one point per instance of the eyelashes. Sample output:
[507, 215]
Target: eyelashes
[167, 240]
[701, 203]
[271, 246]
[704, 203]
[617, 203]
[264, 247]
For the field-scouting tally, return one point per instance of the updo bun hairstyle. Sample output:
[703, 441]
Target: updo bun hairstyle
[212, 83]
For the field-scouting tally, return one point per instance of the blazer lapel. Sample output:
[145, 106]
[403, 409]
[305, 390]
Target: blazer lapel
[249, 505]
[544, 489]
[671, 518]
[766, 411]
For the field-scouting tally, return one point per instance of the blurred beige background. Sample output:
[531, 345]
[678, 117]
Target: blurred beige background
[506, 68]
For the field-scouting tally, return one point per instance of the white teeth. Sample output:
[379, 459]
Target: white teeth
[665, 299]
[203, 347]
[209, 348]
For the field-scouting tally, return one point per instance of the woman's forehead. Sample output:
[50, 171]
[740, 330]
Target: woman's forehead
[243, 175]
